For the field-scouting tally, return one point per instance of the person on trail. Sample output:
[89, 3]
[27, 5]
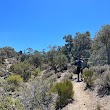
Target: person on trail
[79, 64]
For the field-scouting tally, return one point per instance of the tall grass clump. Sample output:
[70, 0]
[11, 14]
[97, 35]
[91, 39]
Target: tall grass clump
[65, 93]
[88, 78]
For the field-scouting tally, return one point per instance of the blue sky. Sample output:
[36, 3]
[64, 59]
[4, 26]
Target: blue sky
[40, 23]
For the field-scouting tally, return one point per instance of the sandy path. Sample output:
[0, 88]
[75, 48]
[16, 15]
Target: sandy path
[82, 99]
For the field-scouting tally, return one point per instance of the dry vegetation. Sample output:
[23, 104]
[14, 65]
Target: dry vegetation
[26, 79]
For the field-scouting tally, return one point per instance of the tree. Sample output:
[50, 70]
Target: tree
[8, 52]
[51, 55]
[68, 48]
[23, 69]
[82, 45]
[61, 61]
[36, 59]
[103, 35]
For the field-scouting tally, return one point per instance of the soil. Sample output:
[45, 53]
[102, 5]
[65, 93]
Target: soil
[86, 99]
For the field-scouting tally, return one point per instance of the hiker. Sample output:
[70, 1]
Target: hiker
[79, 64]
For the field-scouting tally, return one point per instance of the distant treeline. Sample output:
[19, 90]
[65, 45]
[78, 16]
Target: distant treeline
[96, 51]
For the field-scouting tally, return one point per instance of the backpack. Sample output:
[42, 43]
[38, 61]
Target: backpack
[79, 63]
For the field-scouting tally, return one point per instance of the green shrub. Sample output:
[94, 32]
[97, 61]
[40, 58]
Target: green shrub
[13, 82]
[65, 92]
[36, 72]
[23, 69]
[61, 61]
[88, 78]
[8, 104]
[14, 79]
[17, 105]
[10, 87]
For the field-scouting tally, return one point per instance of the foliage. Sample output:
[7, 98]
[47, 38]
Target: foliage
[104, 84]
[88, 77]
[96, 57]
[14, 79]
[7, 52]
[78, 46]
[56, 59]
[37, 95]
[61, 61]
[100, 69]
[104, 37]
[82, 45]
[51, 55]
[65, 92]
[35, 59]
[101, 46]
[23, 58]
[23, 69]
[13, 82]
[36, 72]
[68, 49]
[8, 104]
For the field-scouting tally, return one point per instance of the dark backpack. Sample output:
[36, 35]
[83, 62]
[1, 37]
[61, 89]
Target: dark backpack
[79, 63]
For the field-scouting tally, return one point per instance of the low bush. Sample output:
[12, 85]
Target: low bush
[23, 69]
[8, 104]
[65, 93]
[36, 72]
[37, 96]
[100, 69]
[104, 84]
[13, 82]
[88, 78]
[14, 79]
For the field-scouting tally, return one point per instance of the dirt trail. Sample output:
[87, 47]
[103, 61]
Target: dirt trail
[82, 99]
[85, 99]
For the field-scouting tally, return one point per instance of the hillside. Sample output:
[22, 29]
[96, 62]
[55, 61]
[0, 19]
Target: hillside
[22, 97]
